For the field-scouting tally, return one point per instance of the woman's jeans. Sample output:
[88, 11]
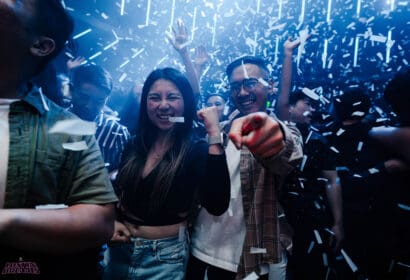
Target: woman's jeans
[148, 259]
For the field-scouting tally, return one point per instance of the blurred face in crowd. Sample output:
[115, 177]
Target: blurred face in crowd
[164, 100]
[301, 112]
[248, 93]
[88, 101]
[218, 102]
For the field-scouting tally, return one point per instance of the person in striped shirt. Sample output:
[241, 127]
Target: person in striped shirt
[91, 86]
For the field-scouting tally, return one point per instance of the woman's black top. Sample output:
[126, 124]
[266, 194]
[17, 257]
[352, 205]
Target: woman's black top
[202, 179]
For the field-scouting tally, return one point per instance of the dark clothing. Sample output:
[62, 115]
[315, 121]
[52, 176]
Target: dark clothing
[18, 265]
[197, 269]
[202, 178]
[368, 199]
[307, 209]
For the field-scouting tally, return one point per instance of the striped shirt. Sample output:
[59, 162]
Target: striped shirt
[112, 138]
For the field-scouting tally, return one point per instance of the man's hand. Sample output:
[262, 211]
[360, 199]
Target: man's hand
[257, 131]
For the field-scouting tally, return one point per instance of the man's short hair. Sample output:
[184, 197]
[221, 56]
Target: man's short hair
[258, 61]
[51, 20]
[92, 74]
[353, 104]
[397, 94]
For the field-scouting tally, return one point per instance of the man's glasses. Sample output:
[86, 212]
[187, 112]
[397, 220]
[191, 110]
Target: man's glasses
[247, 84]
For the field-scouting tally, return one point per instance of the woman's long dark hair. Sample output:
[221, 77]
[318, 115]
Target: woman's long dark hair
[130, 173]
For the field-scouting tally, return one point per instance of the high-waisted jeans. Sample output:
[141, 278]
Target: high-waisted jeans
[148, 259]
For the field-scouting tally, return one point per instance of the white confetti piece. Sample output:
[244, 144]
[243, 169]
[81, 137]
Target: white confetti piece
[340, 131]
[230, 212]
[252, 276]
[255, 250]
[317, 236]
[311, 245]
[73, 127]
[82, 33]
[75, 146]
[176, 119]
[302, 165]
[310, 93]
[334, 149]
[51, 206]
[403, 206]
[263, 82]
[294, 193]
[404, 264]
[349, 261]
[325, 261]
[358, 114]
[373, 170]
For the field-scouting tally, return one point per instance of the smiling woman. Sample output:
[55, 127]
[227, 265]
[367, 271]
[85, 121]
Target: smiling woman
[166, 173]
[165, 101]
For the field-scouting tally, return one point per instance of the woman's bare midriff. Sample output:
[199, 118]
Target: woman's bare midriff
[155, 232]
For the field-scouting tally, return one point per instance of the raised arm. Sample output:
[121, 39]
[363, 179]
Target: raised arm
[200, 59]
[180, 41]
[215, 190]
[286, 79]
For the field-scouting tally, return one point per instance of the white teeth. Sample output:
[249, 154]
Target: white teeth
[247, 102]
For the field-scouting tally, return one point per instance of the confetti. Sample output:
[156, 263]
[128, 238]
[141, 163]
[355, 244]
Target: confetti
[349, 261]
[317, 236]
[255, 250]
[176, 119]
[252, 276]
[73, 127]
[403, 206]
[75, 146]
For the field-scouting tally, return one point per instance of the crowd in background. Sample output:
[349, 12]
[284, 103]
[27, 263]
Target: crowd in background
[260, 176]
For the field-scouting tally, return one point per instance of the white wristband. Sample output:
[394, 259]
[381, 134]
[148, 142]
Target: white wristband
[214, 139]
